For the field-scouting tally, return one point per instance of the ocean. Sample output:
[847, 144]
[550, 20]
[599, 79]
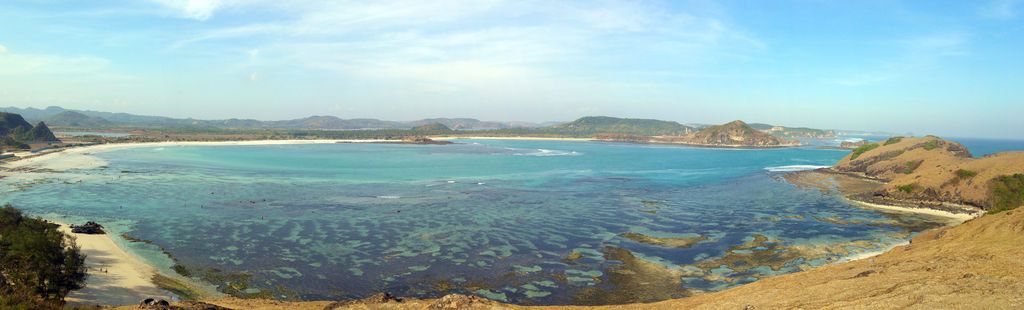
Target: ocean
[529, 222]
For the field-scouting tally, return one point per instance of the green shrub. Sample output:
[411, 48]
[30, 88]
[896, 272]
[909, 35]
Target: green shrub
[893, 140]
[1006, 192]
[910, 166]
[39, 265]
[931, 145]
[963, 173]
[862, 149]
[908, 188]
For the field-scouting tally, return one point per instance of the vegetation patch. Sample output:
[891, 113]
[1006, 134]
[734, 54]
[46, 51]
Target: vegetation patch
[39, 264]
[683, 242]
[1007, 192]
[862, 149]
[965, 174]
[574, 256]
[908, 188]
[893, 140]
[179, 289]
[753, 254]
[633, 280]
[178, 267]
[888, 155]
[910, 166]
[931, 145]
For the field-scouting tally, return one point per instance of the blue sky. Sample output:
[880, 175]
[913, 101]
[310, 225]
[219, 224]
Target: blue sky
[941, 67]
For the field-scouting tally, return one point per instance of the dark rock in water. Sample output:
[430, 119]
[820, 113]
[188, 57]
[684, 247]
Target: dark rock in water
[424, 140]
[90, 227]
[853, 144]
[459, 301]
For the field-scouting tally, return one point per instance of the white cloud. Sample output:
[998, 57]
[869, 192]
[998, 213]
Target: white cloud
[3, 49]
[1000, 9]
[472, 45]
[192, 9]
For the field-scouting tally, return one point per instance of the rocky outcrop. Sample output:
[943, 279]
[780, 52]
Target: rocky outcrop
[16, 132]
[40, 133]
[732, 134]
[89, 228]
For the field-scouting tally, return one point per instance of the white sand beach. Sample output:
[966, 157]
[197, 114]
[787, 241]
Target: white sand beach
[956, 218]
[510, 138]
[79, 157]
[115, 277]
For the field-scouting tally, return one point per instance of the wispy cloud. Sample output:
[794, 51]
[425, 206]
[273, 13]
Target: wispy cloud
[192, 9]
[470, 45]
[913, 54]
[1000, 9]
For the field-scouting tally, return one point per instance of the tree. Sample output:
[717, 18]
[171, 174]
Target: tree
[39, 264]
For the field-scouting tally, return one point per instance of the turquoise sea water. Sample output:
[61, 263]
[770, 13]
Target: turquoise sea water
[489, 217]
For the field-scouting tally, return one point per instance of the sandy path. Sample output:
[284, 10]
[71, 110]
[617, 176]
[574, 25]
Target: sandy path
[115, 277]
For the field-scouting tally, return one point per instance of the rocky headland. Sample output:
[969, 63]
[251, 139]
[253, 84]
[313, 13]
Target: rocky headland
[733, 134]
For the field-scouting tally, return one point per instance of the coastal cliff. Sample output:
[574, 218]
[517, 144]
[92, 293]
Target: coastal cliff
[934, 172]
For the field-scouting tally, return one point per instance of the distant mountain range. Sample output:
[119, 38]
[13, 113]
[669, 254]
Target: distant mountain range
[60, 117]
[585, 126]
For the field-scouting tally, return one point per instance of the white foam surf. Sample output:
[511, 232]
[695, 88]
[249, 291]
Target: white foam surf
[792, 168]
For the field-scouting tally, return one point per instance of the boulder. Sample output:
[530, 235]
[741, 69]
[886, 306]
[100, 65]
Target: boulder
[90, 228]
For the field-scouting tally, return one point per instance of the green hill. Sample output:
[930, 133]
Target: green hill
[629, 126]
[432, 128]
[76, 119]
[10, 122]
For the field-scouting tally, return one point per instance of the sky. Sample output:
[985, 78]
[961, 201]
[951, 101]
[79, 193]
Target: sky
[953, 68]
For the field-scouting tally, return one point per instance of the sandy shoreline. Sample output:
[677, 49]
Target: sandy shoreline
[115, 277]
[960, 217]
[511, 138]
